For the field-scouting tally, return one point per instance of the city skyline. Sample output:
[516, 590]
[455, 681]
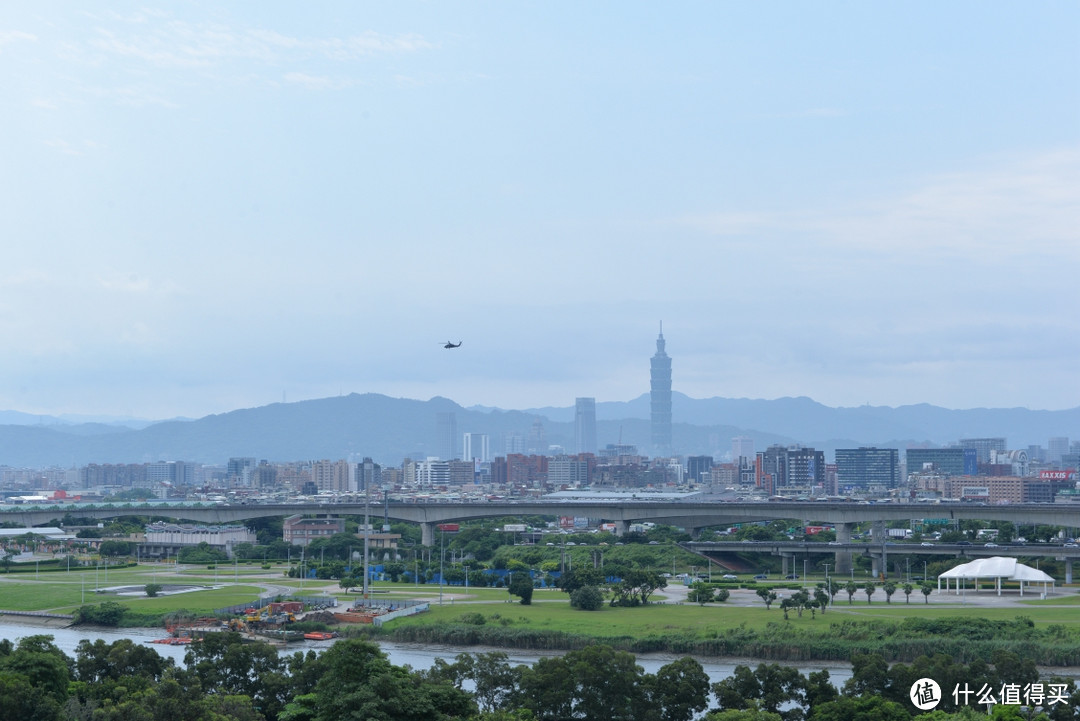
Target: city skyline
[210, 208]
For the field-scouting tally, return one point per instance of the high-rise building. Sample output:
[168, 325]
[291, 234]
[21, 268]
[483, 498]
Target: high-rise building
[432, 472]
[513, 442]
[1056, 448]
[476, 447]
[537, 443]
[368, 476]
[585, 425]
[805, 469]
[660, 397]
[446, 435]
[983, 446]
[330, 476]
[946, 461]
[238, 472]
[567, 472]
[698, 468]
[860, 468]
[742, 447]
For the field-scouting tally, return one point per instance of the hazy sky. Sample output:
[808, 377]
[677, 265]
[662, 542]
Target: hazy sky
[208, 206]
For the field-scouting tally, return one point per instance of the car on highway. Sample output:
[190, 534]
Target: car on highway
[990, 545]
[1071, 545]
[730, 577]
[792, 576]
[761, 577]
[927, 543]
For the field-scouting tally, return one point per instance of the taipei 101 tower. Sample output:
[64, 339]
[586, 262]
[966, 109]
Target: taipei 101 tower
[660, 397]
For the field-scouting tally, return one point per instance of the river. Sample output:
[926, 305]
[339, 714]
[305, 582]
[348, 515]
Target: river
[418, 656]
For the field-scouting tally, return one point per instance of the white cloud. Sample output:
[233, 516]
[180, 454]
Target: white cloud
[177, 44]
[11, 36]
[62, 146]
[1017, 208]
[133, 96]
[315, 82]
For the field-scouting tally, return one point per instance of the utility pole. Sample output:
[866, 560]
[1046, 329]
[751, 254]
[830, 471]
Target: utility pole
[367, 533]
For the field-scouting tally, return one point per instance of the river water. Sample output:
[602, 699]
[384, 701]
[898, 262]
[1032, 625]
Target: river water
[418, 656]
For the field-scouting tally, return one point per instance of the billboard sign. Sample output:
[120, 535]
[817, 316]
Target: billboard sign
[1057, 475]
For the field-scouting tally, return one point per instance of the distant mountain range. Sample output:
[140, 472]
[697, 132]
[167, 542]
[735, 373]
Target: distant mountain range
[390, 429]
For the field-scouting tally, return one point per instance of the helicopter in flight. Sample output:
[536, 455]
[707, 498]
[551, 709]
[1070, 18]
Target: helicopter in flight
[452, 345]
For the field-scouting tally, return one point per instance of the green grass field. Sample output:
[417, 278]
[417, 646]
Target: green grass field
[657, 619]
[64, 591]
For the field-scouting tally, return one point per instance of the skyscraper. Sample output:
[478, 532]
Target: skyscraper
[446, 435]
[1056, 448]
[660, 397]
[585, 425]
[860, 468]
[476, 447]
[742, 447]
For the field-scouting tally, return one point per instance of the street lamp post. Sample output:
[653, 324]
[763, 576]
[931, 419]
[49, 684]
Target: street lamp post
[442, 556]
[367, 533]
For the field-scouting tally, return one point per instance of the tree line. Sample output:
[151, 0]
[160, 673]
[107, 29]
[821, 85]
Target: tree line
[227, 678]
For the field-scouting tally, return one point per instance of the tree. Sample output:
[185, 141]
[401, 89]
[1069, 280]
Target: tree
[587, 598]
[862, 708]
[908, 588]
[889, 588]
[97, 662]
[348, 582]
[521, 585]
[680, 689]
[20, 699]
[494, 678]
[700, 594]
[768, 687]
[547, 689]
[37, 659]
[609, 683]
[636, 586]
[926, 588]
[722, 594]
[834, 588]
[851, 588]
[116, 548]
[225, 664]
[767, 595]
[786, 605]
[355, 680]
[869, 589]
[579, 577]
[822, 598]
[152, 589]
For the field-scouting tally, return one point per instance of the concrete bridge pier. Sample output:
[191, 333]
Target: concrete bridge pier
[786, 561]
[622, 528]
[877, 532]
[1068, 570]
[427, 533]
[875, 566]
[843, 558]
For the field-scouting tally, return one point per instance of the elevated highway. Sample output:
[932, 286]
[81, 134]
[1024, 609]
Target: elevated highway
[685, 514]
[690, 515]
[880, 552]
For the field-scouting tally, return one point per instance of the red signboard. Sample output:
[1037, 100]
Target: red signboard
[448, 527]
[1056, 475]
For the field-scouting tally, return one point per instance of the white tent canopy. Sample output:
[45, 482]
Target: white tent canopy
[996, 568]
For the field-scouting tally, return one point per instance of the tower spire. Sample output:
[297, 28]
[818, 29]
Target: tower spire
[660, 397]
